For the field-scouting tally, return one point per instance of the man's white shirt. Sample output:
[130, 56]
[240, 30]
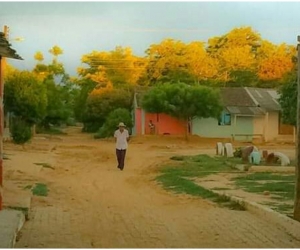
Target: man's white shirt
[121, 139]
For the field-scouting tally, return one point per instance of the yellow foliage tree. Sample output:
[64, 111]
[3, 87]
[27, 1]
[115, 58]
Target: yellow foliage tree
[39, 56]
[199, 63]
[118, 67]
[235, 51]
[169, 55]
[56, 50]
[275, 61]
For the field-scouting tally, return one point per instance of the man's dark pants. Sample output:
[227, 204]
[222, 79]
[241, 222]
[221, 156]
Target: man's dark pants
[121, 157]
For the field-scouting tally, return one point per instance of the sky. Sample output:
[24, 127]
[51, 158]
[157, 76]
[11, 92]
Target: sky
[82, 27]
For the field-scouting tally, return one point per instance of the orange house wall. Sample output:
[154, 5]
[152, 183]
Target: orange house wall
[138, 121]
[164, 124]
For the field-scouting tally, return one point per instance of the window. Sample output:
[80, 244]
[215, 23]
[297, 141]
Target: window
[225, 119]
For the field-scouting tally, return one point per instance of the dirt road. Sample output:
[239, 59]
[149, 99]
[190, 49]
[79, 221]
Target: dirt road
[91, 203]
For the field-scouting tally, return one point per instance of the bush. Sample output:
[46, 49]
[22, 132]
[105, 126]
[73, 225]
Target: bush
[21, 131]
[51, 130]
[100, 105]
[91, 127]
[112, 121]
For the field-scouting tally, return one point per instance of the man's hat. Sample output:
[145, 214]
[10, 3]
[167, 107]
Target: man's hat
[121, 124]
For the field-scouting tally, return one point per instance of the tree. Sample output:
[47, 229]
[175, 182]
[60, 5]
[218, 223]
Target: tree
[183, 101]
[112, 121]
[61, 101]
[61, 91]
[288, 99]
[165, 59]
[39, 56]
[85, 88]
[235, 51]
[199, 63]
[99, 105]
[275, 61]
[118, 67]
[25, 96]
[56, 51]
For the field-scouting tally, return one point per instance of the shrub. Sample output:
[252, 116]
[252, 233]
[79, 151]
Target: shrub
[21, 131]
[112, 121]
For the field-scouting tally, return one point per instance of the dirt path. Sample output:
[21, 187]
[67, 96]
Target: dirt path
[93, 204]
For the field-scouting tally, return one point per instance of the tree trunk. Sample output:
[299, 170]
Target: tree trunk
[297, 186]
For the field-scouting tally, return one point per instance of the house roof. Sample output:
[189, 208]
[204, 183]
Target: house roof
[238, 97]
[251, 111]
[265, 98]
[6, 50]
[238, 100]
[250, 101]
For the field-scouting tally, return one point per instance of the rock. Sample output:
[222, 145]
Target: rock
[219, 148]
[228, 150]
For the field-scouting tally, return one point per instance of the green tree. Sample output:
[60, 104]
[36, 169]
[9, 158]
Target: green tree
[25, 96]
[85, 88]
[112, 121]
[183, 101]
[61, 101]
[61, 91]
[288, 99]
[99, 105]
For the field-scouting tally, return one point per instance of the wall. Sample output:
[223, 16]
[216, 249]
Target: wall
[209, 128]
[259, 125]
[273, 126]
[164, 124]
[267, 125]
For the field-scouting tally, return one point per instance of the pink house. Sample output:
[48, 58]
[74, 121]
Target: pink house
[163, 123]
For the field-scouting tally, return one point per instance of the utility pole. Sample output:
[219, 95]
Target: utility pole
[2, 66]
[297, 186]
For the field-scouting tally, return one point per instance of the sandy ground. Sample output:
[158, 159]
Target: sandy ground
[93, 204]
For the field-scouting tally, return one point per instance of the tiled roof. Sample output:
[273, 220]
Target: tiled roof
[245, 110]
[6, 50]
[239, 100]
[265, 98]
[236, 97]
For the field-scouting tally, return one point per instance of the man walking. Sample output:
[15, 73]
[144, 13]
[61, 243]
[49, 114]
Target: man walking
[121, 138]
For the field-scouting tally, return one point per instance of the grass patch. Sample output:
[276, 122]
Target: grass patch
[280, 186]
[177, 178]
[282, 208]
[40, 189]
[200, 165]
[44, 165]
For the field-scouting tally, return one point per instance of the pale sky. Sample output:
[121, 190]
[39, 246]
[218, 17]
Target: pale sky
[81, 27]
